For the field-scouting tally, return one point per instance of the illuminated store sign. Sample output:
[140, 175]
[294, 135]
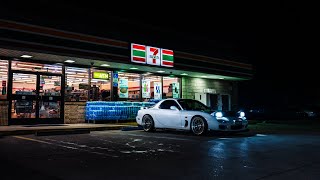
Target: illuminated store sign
[100, 75]
[151, 55]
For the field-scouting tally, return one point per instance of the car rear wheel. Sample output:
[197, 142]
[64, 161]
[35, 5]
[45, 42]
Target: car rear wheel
[198, 125]
[148, 123]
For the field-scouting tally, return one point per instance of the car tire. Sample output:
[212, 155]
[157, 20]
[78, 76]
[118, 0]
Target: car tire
[147, 123]
[198, 126]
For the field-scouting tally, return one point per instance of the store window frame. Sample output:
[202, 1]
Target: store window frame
[37, 119]
[66, 79]
[110, 69]
[6, 98]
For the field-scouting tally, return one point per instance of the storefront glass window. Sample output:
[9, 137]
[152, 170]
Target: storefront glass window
[3, 79]
[36, 67]
[50, 88]
[151, 87]
[100, 85]
[171, 87]
[77, 84]
[24, 84]
[129, 86]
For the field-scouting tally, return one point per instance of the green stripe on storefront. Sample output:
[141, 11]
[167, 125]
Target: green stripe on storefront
[139, 53]
[167, 58]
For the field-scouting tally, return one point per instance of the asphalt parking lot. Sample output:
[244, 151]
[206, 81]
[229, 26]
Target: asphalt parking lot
[136, 154]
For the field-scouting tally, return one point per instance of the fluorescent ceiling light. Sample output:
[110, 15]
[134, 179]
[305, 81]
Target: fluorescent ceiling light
[26, 56]
[184, 74]
[77, 69]
[204, 76]
[160, 71]
[104, 65]
[69, 61]
[28, 65]
[133, 68]
[220, 78]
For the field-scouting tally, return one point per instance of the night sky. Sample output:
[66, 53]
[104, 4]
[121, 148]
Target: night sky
[275, 37]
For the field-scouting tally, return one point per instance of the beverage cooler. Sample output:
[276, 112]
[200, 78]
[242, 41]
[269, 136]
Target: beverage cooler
[106, 110]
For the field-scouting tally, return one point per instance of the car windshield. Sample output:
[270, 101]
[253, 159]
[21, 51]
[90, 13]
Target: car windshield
[193, 105]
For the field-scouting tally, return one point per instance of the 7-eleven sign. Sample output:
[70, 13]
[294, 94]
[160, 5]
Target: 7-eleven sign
[153, 55]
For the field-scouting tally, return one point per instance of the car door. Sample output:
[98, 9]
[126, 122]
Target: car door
[169, 118]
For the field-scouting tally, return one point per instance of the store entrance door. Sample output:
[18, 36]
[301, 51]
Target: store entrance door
[36, 98]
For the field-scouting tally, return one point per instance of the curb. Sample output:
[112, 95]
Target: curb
[40, 132]
[62, 132]
[131, 128]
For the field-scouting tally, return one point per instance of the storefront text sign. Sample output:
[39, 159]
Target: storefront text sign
[151, 55]
[145, 89]
[176, 90]
[157, 90]
[123, 88]
[100, 75]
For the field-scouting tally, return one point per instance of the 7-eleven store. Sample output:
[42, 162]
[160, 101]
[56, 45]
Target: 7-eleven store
[47, 75]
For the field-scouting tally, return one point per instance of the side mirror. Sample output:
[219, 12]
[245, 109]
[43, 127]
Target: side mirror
[174, 108]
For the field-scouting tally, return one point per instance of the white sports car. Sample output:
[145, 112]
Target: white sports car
[189, 114]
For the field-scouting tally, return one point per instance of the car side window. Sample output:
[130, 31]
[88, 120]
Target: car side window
[168, 103]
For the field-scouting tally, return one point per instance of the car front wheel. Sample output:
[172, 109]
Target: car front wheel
[198, 125]
[148, 123]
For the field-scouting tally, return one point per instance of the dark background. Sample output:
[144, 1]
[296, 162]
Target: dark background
[278, 39]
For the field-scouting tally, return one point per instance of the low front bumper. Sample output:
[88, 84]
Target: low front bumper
[232, 127]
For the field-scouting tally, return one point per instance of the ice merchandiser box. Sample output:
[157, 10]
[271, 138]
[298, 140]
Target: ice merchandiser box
[106, 110]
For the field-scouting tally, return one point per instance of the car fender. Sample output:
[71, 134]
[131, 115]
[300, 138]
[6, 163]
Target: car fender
[211, 121]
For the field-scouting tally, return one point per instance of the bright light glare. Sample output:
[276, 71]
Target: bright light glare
[69, 61]
[242, 114]
[219, 114]
[26, 56]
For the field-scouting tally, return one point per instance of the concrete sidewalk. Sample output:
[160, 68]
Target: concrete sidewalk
[57, 128]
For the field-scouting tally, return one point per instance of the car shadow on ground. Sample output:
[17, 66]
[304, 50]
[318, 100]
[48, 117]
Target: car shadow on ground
[208, 134]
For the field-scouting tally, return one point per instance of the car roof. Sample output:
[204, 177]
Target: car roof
[177, 99]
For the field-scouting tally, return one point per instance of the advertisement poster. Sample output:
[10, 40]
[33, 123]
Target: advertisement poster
[145, 89]
[123, 88]
[176, 90]
[115, 79]
[157, 90]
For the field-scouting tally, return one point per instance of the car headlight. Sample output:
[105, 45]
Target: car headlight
[219, 114]
[242, 114]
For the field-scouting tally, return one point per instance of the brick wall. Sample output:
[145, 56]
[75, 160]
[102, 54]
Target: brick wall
[74, 112]
[4, 113]
[190, 86]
